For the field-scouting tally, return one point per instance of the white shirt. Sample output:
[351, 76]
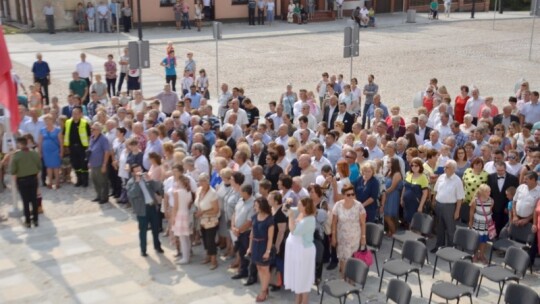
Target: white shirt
[48, 10]
[282, 141]
[525, 200]
[449, 189]
[33, 128]
[278, 120]
[223, 100]
[103, 10]
[513, 169]
[531, 112]
[444, 131]
[421, 134]
[318, 164]
[241, 114]
[375, 153]
[297, 108]
[431, 145]
[201, 165]
[489, 167]
[473, 106]
[84, 68]
[246, 170]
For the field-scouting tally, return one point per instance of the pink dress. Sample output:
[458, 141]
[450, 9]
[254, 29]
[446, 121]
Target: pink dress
[181, 223]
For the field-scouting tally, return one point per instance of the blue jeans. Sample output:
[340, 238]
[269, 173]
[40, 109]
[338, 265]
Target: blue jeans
[185, 20]
[364, 116]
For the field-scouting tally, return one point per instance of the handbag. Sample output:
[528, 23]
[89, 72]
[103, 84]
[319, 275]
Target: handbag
[364, 255]
[492, 231]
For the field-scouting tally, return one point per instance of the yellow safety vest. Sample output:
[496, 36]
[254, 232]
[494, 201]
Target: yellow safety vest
[83, 135]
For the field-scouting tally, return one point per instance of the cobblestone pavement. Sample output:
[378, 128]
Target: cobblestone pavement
[85, 253]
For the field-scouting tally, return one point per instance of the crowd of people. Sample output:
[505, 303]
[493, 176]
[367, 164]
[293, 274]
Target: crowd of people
[262, 186]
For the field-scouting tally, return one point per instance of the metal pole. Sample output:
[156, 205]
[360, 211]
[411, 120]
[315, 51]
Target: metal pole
[351, 61]
[139, 26]
[494, 13]
[118, 28]
[404, 13]
[532, 32]
[217, 69]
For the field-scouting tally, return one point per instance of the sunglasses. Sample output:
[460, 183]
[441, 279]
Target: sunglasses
[291, 146]
[349, 194]
[176, 117]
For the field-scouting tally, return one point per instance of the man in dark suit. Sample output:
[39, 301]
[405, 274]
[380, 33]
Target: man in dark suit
[258, 155]
[345, 117]
[499, 182]
[330, 112]
[423, 130]
[506, 117]
[66, 110]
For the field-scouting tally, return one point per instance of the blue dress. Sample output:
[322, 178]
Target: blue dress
[363, 192]
[391, 207]
[260, 239]
[51, 148]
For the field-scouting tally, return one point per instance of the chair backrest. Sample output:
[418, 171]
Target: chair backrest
[399, 292]
[422, 223]
[520, 294]
[356, 271]
[522, 234]
[466, 239]
[517, 259]
[466, 273]
[414, 251]
[374, 235]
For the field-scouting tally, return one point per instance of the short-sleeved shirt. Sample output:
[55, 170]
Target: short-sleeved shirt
[78, 87]
[531, 112]
[170, 66]
[243, 211]
[98, 147]
[449, 189]
[525, 200]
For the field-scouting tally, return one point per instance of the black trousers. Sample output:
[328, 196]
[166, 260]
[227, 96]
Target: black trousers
[152, 217]
[77, 156]
[126, 20]
[120, 82]
[172, 80]
[44, 87]
[115, 180]
[251, 16]
[209, 240]
[43, 172]
[27, 186]
[260, 16]
[88, 82]
[242, 244]
[111, 89]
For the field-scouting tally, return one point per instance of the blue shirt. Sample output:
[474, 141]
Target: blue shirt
[354, 172]
[151, 146]
[195, 100]
[333, 154]
[371, 111]
[40, 69]
[98, 147]
[210, 138]
[170, 70]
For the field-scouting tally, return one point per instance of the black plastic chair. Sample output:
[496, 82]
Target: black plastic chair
[518, 236]
[356, 271]
[520, 294]
[374, 238]
[517, 261]
[420, 228]
[466, 274]
[413, 252]
[399, 292]
[465, 244]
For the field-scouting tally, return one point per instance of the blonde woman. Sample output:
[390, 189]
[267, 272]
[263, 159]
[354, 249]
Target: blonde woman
[292, 146]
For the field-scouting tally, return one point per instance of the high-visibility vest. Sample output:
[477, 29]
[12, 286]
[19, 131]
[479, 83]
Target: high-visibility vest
[83, 135]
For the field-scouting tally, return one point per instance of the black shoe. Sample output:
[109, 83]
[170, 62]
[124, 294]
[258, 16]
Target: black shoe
[143, 254]
[331, 266]
[36, 224]
[103, 202]
[434, 250]
[159, 250]
[239, 276]
[250, 282]
[96, 199]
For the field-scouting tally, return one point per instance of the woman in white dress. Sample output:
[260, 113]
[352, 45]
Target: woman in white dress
[198, 14]
[300, 251]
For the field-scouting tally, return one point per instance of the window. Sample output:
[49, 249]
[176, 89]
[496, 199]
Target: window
[167, 2]
[237, 2]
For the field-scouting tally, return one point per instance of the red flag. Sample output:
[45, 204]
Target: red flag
[8, 95]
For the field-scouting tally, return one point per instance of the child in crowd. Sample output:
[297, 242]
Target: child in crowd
[444, 156]
[124, 98]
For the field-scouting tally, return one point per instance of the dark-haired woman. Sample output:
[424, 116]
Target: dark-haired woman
[415, 190]
[390, 200]
[462, 162]
[260, 243]
[280, 235]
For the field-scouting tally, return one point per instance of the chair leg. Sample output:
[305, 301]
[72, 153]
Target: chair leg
[420, 284]
[322, 295]
[376, 263]
[450, 265]
[380, 282]
[490, 256]
[392, 248]
[479, 284]
[470, 298]
[458, 300]
[435, 266]
[501, 287]
[430, 294]
[358, 295]
[406, 277]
